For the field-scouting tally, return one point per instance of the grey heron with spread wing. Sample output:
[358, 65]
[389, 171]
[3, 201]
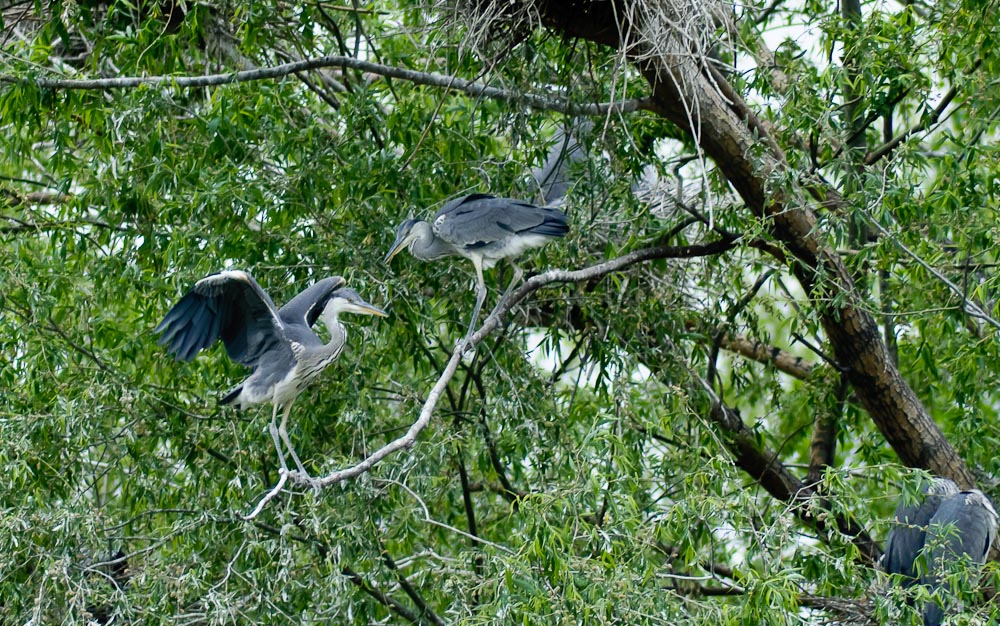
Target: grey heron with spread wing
[279, 345]
[483, 229]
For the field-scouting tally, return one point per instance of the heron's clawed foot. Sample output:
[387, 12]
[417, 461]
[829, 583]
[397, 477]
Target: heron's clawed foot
[465, 346]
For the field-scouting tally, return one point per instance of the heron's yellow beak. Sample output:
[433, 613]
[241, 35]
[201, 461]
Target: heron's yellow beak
[397, 245]
[404, 235]
[371, 310]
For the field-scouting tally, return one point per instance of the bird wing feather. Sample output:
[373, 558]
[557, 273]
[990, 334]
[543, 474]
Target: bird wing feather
[229, 306]
[479, 219]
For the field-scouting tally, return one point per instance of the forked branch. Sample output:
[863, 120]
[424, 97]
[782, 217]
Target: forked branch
[492, 323]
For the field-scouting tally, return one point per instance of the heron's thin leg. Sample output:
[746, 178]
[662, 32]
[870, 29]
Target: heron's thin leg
[514, 280]
[288, 444]
[274, 435]
[480, 297]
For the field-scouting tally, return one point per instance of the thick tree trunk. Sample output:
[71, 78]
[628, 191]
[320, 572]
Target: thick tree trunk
[729, 134]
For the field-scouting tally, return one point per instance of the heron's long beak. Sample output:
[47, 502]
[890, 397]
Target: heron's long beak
[397, 245]
[363, 308]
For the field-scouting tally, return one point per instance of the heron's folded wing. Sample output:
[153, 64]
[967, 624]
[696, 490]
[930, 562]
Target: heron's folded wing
[480, 219]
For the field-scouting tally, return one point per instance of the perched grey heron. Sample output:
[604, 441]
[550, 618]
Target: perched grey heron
[279, 345]
[964, 526]
[483, 229]
[906, 539]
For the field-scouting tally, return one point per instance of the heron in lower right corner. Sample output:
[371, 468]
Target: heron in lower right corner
[944, 527]
[906, 540]
[483, 229]
[964, 527]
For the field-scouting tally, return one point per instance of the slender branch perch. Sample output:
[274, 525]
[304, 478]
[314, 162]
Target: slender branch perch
[432, 79]
[492, 323]
[270, 495]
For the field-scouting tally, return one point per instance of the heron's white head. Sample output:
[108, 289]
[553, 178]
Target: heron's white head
[346, 300]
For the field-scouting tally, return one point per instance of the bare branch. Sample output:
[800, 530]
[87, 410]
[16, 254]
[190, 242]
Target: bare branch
[782, 361]
[270, 495]
[492, 323]
[432, 79]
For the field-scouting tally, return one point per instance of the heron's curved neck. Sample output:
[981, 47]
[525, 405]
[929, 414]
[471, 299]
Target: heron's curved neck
[338, 334]
[425, 245]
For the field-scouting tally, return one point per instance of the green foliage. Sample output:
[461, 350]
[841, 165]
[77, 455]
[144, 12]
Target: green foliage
[572, 473]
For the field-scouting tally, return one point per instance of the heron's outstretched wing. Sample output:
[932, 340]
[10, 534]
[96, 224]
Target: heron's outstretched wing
[479, 219]
[229, 306]
[306, 307]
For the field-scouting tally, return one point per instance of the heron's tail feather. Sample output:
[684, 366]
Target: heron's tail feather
[554, 224]
[231, 396]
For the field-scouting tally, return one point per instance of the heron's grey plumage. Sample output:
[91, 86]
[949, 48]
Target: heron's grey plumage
[965, 525]
[229, 306]
[279, 345]
[496, 228]
[906, 539]
[483, 229]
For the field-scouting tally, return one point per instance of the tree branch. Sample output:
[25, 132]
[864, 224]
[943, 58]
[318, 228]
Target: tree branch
[762, 353]
[731, 315]
[764, 467]
[924, 124]
[409, 590]
[823, 447]
[13, 199]
[431, 79]
[492, 323]
[509, 493]
[383, 599]
[18, 225]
